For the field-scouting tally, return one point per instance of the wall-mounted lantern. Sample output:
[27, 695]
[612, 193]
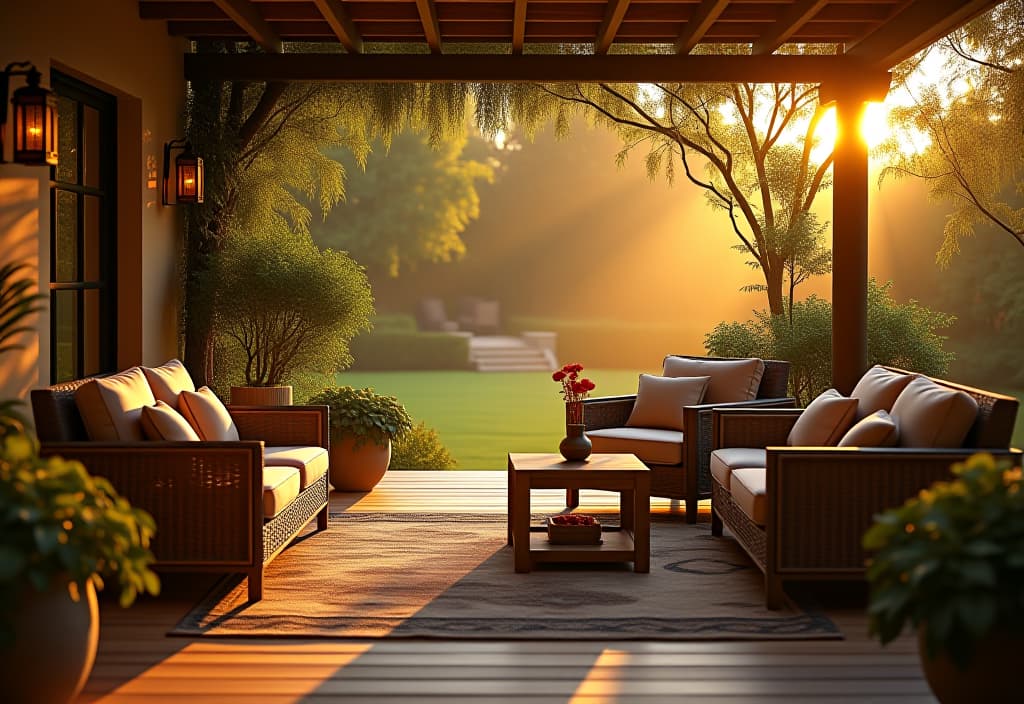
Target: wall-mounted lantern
[35, 117]
[187, 184]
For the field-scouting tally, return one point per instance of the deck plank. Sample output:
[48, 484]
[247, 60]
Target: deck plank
[137, 663]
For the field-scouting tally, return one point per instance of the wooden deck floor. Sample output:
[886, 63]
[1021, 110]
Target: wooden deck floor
[138, 664]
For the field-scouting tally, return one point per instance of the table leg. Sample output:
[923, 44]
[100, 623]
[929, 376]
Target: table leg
[642, 524]
[572, 498]
[521, 524]
[511, 492]
[626, 502]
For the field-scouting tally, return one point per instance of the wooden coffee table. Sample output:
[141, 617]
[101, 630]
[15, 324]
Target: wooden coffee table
[630, 542]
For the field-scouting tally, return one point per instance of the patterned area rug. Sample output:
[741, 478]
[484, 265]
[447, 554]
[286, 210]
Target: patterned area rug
[451, 576]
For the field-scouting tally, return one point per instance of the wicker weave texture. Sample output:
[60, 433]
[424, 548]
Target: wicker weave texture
[277, 533]
[607, 411]
[753, 428]
[283, 425]
[750, 535]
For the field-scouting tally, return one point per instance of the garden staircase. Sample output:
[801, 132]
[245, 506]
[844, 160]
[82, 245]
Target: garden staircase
[499, 353]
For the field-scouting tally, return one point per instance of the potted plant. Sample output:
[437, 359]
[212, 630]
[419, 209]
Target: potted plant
[363, 424]
[283, 305]
[61, 531]
[950, 563]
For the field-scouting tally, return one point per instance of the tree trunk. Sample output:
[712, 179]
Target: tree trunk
[773, 275]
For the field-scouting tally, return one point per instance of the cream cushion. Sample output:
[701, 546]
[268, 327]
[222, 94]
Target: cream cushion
[312, 462]
[929, 415]
[748, 491]
[660, 400]
[875, 430]
[651, 445]
[877, 390]
[111, 406]
[725, 460]
[168, 380]
[280, 487]
[207, 415]
[825, 420]
[731, 379]
[162, 422]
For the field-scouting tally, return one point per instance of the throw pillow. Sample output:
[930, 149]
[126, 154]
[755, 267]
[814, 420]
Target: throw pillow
[731, 379]
[930, 415]
[168, 380]
[162, 422]
[825, 420]
[877, 390]
[207, 415]
[660, 400]
[875, 430]
[111, 406]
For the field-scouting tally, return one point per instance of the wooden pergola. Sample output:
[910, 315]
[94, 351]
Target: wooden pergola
[511, 40]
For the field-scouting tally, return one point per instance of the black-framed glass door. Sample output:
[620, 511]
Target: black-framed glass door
[83, 232]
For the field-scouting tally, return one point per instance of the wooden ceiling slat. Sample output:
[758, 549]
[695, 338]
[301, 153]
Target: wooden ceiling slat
[341, 24]
[246, 16]
[431, 29]
[519, 12]
[694, 30]
[615, 12]
[787, 25]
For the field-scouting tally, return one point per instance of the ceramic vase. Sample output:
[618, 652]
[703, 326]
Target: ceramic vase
[575, 445]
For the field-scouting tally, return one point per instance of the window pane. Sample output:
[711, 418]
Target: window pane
[91, 146]
[91, 331]
[67, 140]
[65, 258]
[91, 239]
[65, 316]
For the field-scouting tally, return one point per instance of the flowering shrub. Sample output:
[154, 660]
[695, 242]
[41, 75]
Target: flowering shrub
[574, 390]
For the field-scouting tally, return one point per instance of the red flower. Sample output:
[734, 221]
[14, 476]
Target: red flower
[574, 388]
[587, 384]
[558, 376]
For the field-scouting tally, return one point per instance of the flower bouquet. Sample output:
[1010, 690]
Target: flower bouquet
[574, 389]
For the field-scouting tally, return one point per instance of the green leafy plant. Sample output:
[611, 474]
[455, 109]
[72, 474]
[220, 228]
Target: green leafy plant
[420, 448]
[17, 303]
[58, 521]
[364, 414]
[951, 560]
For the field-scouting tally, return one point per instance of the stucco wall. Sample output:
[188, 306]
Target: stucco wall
[107, 45]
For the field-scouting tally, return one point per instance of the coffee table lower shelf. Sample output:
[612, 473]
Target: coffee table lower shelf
[616, 546]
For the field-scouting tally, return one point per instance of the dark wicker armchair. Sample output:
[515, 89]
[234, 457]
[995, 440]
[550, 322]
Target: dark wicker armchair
[677, 481]
[821, 500]
[206, 497]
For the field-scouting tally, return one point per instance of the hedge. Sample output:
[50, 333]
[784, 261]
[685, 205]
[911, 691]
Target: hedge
[389, 351]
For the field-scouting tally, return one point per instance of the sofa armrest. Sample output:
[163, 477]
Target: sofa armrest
[283, 425]
[752, 427]
[607, 411]
[206, 497]
[821, 500]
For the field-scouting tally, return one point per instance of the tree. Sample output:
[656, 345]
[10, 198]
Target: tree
[410, 205]
[972, 117]
[899, 334]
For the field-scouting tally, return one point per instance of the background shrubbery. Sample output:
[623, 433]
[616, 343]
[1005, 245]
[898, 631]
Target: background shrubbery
[420, 448]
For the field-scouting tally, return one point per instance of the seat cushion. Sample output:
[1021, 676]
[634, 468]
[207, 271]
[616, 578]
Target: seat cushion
[111, 406]
[877, 390]
[731, 379]
[876, 430]
[162, 422]
[748, 491]
[660, 400]
[825, 420]
[207, 415]
[168, 380]
[727, 459]
[651, 445]
[929, 415]
[312, 462]
[280, 487]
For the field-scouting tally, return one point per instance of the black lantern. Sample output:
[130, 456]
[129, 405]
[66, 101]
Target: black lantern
[188, 174]
[35, 117]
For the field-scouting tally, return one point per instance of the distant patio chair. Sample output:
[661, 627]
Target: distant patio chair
[432, 317]
[479, 315]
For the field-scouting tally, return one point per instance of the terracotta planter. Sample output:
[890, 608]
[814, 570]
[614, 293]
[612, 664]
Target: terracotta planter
[261, 395]
[54, 647]
[991, 675]
[357, 468]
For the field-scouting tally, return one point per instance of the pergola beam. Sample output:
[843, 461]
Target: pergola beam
[341, 24]
[245, 15]
[431, 28]
[546, 68]
[699, 24]
[919, 25]
[787, 25]
[610, 25]
[518, 26]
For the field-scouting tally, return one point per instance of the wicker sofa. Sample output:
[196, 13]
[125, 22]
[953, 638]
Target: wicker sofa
[207, 497]
[819, 501]
[677, 481]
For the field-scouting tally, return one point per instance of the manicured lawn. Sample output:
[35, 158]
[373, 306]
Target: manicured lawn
[481, 417]
[1018, 431]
